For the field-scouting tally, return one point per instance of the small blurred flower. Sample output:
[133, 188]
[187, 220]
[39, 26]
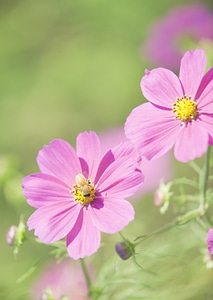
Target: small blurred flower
[61, 281]
[162, 196]
[180, 111]
[11, 235]
[79, 194]
[182, 24]
[16, 235]
[209, 240]
[158, 197]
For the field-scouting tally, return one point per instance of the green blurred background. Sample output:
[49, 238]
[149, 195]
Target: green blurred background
[65, 67]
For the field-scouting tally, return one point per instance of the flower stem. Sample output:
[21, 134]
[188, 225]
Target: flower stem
[160, 230]
[86, 274]
[205, 178]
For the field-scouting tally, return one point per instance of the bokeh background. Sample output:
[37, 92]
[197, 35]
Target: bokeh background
[65, 67]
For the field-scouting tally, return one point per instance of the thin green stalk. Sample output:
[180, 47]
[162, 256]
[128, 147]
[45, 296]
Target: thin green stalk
[86, 274]
[205, 178]
[160, 230]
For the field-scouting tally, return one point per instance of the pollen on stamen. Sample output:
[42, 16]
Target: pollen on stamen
[83, 190]
[185, 109]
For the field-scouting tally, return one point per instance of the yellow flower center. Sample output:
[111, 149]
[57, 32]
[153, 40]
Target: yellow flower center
[185, 109]
[84, 190]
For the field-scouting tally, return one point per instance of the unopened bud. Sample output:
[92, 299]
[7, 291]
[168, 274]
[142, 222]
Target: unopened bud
[11, 235]
[47, 295]
[15, 236]
[162, 196]
[125, 249]
[158, 197]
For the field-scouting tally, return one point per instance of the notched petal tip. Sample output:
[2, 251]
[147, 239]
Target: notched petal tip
[147, 72]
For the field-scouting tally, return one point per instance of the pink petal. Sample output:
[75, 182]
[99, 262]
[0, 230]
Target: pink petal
[209, 240]
[192, 142]
[84, 239]
[161, 87]
[53, 222]
[207, 78]
[88, 148]
[106, 161]
[59, 159]
[113, 216]
[192, 68]
[42, 189]
[211, 140]
[206, 122]
[163, 169]
[125, 149]
[120, 179]
[205, 102]
[153, 131]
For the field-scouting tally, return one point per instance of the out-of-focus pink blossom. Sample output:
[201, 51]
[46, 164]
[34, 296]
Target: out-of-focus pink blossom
[62, 279]
[209, 240]
[163, 47]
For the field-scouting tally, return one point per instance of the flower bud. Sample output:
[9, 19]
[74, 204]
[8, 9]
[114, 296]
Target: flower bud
[16, 235]
[158, 197]
[162, 196]
[11, 235]
[47, 295]
[125, 249]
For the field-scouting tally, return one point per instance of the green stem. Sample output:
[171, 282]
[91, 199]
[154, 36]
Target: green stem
[86, 274]
[205, 178]
[160, 230]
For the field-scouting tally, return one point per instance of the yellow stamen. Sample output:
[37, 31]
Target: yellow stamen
[84, 191]
[185, 109]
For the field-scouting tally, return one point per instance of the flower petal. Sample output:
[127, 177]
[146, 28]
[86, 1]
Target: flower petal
[53, 222]
[127, 149]
[205, 102]
[42, 189]
[192, 68]
[211, 140]
[88, 148]
[84, 239]
[161, 87]
[60, 160]
[124, 149]
[120, 179]
[152, 130]
[113, 216]
[209, 240]
[207, 78]
[206, 121]
[192, 142]
[106, 161]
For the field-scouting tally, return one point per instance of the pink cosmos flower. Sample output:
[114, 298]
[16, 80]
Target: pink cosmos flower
[78, 194]
[180, 111]
[62, 279]
[193, 21]
[210, 240]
